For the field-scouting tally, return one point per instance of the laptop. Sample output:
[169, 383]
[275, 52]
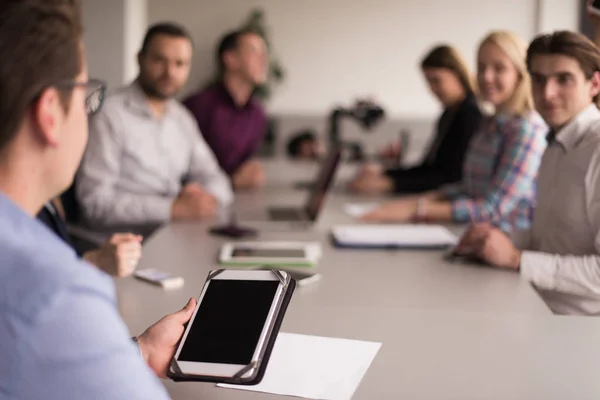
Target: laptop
[312, 208]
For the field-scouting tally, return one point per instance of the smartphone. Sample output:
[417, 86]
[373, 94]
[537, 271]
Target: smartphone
[230, 326]
[233, 231]
[594, 7]
[159, 278]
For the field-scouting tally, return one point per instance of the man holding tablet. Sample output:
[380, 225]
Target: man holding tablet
[61, 336]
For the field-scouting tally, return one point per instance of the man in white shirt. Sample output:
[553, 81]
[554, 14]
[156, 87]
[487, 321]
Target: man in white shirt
[146, 162]
[560, 254]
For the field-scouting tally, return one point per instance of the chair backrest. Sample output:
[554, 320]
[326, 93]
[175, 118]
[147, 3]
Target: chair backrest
[70, 205]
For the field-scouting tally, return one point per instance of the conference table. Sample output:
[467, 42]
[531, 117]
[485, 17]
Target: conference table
[448, 331]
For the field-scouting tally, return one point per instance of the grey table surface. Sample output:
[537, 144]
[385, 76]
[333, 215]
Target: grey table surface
[448, 331]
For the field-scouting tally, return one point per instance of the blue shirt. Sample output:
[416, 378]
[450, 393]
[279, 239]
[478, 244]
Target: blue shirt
[61, 336]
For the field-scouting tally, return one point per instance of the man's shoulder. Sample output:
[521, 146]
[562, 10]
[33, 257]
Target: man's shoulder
[37, 267]
[117, 98]
[592, 134]
[203, 98]
[183, 113]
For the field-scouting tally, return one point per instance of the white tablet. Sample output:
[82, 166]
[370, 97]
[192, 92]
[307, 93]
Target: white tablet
[231, 325]
[270, 253]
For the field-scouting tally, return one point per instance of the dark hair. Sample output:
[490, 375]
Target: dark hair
[293, 146]
[570, 44]
[40, 48]
[229, 42]
[164, 28]
[445, 56]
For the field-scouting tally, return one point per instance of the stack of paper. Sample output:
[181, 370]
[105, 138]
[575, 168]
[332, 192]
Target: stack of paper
[402, 236]
[315, 367]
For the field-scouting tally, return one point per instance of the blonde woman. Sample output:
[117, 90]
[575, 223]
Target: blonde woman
[498, 183]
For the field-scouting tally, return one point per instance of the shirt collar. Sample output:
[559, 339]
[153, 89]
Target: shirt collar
[570, 134]
[229, 98]
[138, 101]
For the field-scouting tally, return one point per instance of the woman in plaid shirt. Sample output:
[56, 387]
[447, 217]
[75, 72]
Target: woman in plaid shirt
[501, 165]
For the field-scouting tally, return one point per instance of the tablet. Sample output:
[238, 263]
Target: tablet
[270, 253]
[234, 326]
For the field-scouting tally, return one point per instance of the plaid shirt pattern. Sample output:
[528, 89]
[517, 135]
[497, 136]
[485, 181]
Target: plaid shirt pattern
[500, 171]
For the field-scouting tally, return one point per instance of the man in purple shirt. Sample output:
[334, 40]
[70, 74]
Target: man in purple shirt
[231, 120]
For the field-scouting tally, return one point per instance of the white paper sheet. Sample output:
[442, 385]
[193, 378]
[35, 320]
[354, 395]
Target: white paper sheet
[357, 210]
[315, 367]
[406, 235]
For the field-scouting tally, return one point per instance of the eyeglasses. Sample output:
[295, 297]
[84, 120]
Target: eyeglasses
[94, 96]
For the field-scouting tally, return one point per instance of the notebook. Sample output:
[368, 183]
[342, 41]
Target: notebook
[409, 236]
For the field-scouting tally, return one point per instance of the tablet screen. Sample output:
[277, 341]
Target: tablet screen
[267, 253]
[229, 322]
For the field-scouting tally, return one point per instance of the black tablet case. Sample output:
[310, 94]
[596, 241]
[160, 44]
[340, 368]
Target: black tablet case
[177, 376]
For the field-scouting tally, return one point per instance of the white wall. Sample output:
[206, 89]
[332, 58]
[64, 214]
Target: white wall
[103, 35]
[113, 32]
[334, 50]
[136, 21]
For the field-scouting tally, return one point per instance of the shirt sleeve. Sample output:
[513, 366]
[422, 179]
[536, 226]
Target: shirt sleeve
[578, 275]
[205, 170]
[452, 191]
[514, 178]
[101, 202]
[80, 349]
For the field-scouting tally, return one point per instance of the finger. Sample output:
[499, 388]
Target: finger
[480, 247]
[184, 315]
[132, 245]
[121, 237]
[129, 255]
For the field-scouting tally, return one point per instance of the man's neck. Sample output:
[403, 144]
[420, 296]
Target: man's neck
[20, 189]
[239, 89]
[157, 106]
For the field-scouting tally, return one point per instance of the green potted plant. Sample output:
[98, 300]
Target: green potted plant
[256, 23]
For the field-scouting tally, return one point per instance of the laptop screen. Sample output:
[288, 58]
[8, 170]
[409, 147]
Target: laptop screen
[322, 184]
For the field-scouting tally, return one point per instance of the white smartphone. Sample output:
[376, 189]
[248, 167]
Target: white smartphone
[230, 326]
[270, 253]
[594, 7]
[159, 278]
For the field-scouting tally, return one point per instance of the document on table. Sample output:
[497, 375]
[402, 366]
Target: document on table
[315, 367]
[357, 210]
[406, 235]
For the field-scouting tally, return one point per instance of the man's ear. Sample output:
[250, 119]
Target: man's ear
[595, 87]
[230, 60]
[48, 116]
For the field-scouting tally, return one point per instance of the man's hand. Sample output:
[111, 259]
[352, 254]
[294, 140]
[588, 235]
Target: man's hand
[194, 203]
[398, 211]
[497, 249]
[249, 175]
[119, 256]
[472, 238]
[158, 343]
